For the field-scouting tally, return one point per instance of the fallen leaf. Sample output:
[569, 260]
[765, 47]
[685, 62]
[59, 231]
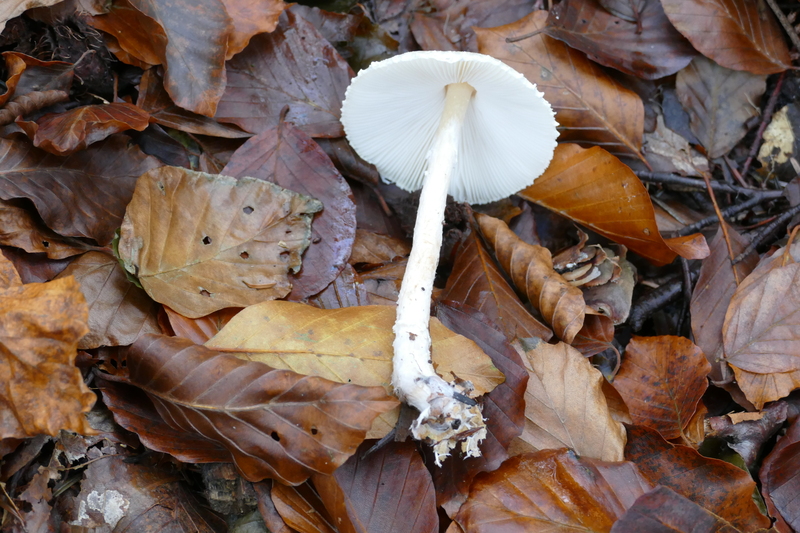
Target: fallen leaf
[140, 39]
[476, 281]
[347, 161]
[43, 391]
[199, 330]
[647, 46]
[552, 490]
[662, 380]
[119, 311]
[383, 283]
[720, 102]
[389, 490]
[347, 345]
[712, 296]
[747, 433]
[302, 509]
[200, 242]
[594, 188]
[596, 335]
[274, 423]
[294, 66]
[780, 478]
[272, 519]
[565, 405]
[737, 34]
[531, 269]
[34, 268]
[347, 290]
[28, 75]
[13, 8]
[667, 151]
[250, 19]
[373, 248]
[72, 131]
[9, 277]
[590, 106]
[289, 158]
[83, 195]
[720, 487]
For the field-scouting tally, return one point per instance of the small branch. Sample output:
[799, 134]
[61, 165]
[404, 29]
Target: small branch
[765, 120]
[787, 27]
[674, 179]
[722, 224]
[765, 234]
[727, 213]
[658, 298]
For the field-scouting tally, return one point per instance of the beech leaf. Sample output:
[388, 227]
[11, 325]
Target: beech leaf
[348, 345]
[531, 269]
[200, 242]
[274, 423]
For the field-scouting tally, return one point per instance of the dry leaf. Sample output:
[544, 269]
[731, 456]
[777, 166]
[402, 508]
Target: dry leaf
[301, 509]
[737, 34]
[531, 269]
[349, 345]
[590, 106]
[666, 151]
[199, 330]
[594, 188]
[780, 477]
[565, 405]
[9, 277]
[373, 248]
[249, 19]
[42, 390]
[662, 380]
[347, 290]
[720, 102]
[13, 8]
[274, 423]
[200, 242]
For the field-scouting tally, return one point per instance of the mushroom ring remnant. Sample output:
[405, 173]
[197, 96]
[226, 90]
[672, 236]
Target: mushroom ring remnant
[453, 123]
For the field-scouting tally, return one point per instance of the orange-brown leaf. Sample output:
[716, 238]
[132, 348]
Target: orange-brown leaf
[250, 18]
[737, 34]
[41, 389]
[531, 269]
[594, 188]
[590, 106]
[661, 380]
[199, 330]
[22, 229]
[274, 423]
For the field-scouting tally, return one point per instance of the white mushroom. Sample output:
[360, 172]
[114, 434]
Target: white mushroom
[463, 124]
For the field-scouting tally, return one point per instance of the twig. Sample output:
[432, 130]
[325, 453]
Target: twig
[687, 293]
[722, 224]
[729, 165]
[658, 298]
[727, 213]
[765, 234]
[787, 27]
[765, 120]
[673, 179]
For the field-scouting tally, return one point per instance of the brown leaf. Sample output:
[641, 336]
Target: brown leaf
[565, 405]
[746, 433]
[43, 391]
[712, 295]
[13, 8]
[201, 242]
[9, 277]
[347, 161]
[531, 269]
[662, 510]
[250, 19]
[274, 423]
[503, 408]
[590, 106]
[760, 329]
[199, 330]
[272, 519]
[347, 290]
[155, 100]
[389, 490]
[30, 75]
[72, 131]
[34, 268]
[383, 283]
[596, 189]
[301, 509]
[780, 478]
[661, 380]
[645, 45]
[119, 311]
[720, 102]
[141, 40]
[294, 66]
[737, 34]
[596, 335]
[715, 485]
[476, 281]
[348, 345]
[552, 490]
[287, 157]
[83, 195]
[118, 495]
[374, 249]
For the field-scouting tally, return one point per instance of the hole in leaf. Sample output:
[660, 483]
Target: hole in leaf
[288, 231]
[275, 436]
[205, 292]
[244, 255]
[247, 210]
[46, 244]
[314, 430]
[206, 240]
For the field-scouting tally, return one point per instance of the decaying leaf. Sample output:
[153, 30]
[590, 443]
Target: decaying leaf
[200, 242]
[249, 19]
[199, 330]
[667, 151]
[661, 380]
[552, 490]
[590, 106]
[780, 476]
[119, 311]
[737, 34]
[41, 390]
[274, 423]
[301, 509]
[372, 248]
[477, 282]
[347, 290]
[719, 102]
[594, 188]
[531, 269]
[9, 277]
[12, 8]
[565, 405]
[349, 345]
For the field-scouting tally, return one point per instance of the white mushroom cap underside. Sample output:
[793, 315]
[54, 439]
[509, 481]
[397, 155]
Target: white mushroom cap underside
[392, 109]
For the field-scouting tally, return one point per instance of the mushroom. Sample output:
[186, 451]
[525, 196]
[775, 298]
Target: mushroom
[455, 123]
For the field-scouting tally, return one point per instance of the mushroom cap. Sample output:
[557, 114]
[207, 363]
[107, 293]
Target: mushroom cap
[392, 109]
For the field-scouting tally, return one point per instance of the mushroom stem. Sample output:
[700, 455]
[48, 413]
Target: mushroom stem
[442, 418]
